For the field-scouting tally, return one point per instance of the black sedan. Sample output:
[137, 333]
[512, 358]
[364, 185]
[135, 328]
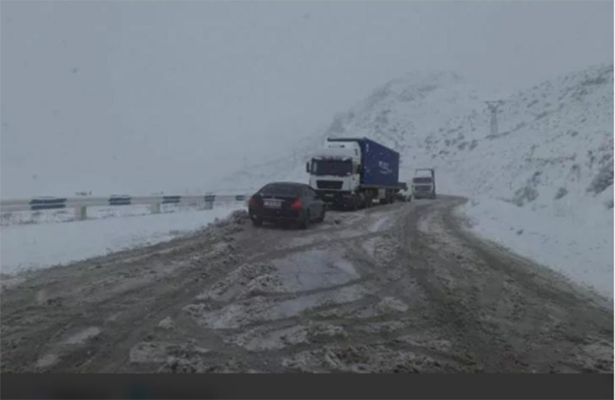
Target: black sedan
[284, 202]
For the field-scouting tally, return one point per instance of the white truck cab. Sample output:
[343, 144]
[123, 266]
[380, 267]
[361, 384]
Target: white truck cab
[336, 167]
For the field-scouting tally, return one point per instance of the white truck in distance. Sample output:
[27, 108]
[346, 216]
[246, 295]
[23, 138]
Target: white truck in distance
[424, 184]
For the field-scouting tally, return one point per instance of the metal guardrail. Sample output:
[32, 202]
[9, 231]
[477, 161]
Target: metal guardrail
[80, 204]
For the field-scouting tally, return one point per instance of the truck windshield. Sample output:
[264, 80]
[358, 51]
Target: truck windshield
[332, 167]
[422, 180]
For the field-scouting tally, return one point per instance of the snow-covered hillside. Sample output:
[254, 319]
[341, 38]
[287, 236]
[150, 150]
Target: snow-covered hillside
[552, 158]
[554, 147]
[398, 114]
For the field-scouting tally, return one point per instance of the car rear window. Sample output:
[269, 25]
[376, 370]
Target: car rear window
[282, 190]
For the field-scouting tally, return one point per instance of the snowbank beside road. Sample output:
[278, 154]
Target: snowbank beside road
[27, 247]
[581, 250]
[8, 218]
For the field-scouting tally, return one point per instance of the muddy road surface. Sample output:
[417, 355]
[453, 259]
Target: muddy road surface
[398, 288]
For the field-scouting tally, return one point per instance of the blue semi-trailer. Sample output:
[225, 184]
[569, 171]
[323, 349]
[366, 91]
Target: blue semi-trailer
[355, 172]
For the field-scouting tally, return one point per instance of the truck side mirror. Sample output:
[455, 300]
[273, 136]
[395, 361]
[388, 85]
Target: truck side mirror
[307, 167]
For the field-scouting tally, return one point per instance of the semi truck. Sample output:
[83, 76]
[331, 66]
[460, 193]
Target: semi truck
[424, 184]
[352, 173]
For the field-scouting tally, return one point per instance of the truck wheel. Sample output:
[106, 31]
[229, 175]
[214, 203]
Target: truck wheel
[362, 201]
[355, 203]
[257, 222]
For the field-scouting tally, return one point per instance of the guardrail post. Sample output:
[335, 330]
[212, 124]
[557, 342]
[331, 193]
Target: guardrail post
[81, 213]
[155, 208]
[209, 201]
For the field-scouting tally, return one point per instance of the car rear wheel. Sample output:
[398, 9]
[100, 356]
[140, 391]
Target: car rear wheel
[305, 222]
[322, 215]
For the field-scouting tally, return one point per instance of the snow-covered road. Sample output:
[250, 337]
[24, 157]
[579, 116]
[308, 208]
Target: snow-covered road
[398, 288]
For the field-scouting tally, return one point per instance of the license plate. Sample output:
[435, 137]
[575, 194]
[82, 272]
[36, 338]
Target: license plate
[329, 195]
[273, 204]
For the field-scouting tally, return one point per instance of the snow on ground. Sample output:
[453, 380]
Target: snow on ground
[83, 336]
[382, 220]
[314, 269]
[9, 281]
[259, 308]
[35, 246]
[581, 252]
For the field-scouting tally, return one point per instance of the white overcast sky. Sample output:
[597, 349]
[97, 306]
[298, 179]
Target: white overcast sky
[140, 96]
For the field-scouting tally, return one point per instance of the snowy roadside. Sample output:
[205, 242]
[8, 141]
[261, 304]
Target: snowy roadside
[34, 246]
[583, 252]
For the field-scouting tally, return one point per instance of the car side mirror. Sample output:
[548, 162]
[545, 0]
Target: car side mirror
[307, 167]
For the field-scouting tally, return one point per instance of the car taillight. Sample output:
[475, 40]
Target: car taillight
[296, 204]
[252, 203]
